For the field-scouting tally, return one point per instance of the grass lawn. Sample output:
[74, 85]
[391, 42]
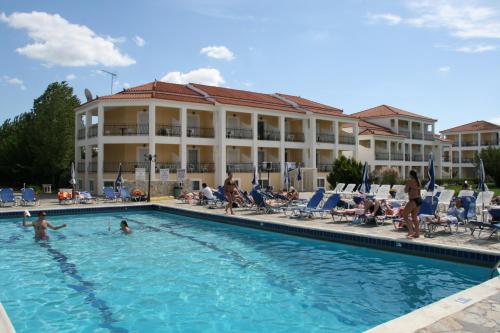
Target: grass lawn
[457, 188]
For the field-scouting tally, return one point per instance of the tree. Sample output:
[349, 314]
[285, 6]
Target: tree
[491, 160]
[38, 146]
[345, 170]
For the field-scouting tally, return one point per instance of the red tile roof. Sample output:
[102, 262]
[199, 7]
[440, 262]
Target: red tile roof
[479, 125]
[367, 128]
[387, 111]
[199, 93]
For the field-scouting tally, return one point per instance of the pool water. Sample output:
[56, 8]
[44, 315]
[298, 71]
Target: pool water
[180, 274]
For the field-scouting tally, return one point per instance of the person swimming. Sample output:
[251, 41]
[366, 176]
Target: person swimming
[40, 225]
[124, 227]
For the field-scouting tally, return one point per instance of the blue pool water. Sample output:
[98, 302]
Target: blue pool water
[179, 274]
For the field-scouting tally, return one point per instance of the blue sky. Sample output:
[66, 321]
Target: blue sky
[438, 58]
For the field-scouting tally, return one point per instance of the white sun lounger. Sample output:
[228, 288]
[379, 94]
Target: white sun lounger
[338, 188]
[383, 192]
[348, 191]
[444, 200]
[374, 188]
[484, 198]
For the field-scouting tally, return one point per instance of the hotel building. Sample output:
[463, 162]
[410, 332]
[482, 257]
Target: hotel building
[466, 141]
[208, 131]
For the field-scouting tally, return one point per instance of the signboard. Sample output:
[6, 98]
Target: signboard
[140, 174]
[164, 174]
[181, 175]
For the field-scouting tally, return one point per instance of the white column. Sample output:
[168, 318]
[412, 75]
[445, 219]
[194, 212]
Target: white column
[255, 148]
[422, 126]
[152, 136]
[88, 123]
[282, 150]
[88, 157]
[220, 165]
[77, 117]
[336, 133]
[313, 142]
[390, 150]
[479, 141]
[183, 148]
[100, 149]
[355, 132]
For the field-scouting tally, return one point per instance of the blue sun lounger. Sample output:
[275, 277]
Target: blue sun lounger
[313, 203]
[327, 207]
[28, 196]
[261, 205]
[109, 194]
[7, 197]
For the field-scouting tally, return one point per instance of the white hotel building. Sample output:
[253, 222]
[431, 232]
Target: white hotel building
[206, 131]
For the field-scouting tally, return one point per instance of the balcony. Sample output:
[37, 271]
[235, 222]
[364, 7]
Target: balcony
[294, 136]
[455, 144]
[172, 166]
[326, 137]
[381, 156]
[269, 135]
[346, 139]
[455, 160]
[405, 132]
[407, 157]
[490, 143]
[417, 158]
[273, 167]
[239, 133]
[200, 132]
[80, 166]
[92, 131]
[80, 134]
[446, 158]
[200, 167]
[168, 130]
[416, 135]
[428, 136]
[92, 167]
[396, 156]
[126, 166]
[126, 129]
[467, 160]
[239, 167]
[324, 167]
[469, 143]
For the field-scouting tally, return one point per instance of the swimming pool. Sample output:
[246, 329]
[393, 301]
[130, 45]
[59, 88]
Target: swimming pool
[180, 274]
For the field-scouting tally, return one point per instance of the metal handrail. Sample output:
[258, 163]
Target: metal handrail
[294, 136]
[326, 137]
[239, 133]
[126, 129]
[168, 130]
[269, 135]
[200, 132]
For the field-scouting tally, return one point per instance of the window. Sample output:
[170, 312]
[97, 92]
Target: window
[263, 183]
[109, 183]
[320, 182]
[80, 184]
[91, 186]
[393, 123]
[195, 185]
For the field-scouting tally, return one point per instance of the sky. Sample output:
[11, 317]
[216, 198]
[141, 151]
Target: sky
[439, 58]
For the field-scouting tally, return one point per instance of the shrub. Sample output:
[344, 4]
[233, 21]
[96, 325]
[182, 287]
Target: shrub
[389, 176]
[491, 159]
[345, 170]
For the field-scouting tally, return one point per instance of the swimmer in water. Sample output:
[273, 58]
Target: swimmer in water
[40, 225]
[124, 227]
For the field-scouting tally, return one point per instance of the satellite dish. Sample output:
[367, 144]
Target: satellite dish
[88, 95]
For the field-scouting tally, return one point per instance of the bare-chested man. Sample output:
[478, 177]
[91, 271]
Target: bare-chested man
[40, 225]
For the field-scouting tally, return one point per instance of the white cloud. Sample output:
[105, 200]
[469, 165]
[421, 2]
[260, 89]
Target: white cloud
[55, 41]
[476, 48]
[495, 120]
[208, 76]
[387, 18]
[218, 52]
[444, 69]
[14, 81]
[126, 85]
[70, 77]
[139, 41]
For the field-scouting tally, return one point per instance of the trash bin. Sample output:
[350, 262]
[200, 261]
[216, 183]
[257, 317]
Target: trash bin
[177, 191]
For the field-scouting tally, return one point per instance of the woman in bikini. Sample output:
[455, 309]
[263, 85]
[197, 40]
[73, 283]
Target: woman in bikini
[412, 208]
[229, 187]
[40, 225]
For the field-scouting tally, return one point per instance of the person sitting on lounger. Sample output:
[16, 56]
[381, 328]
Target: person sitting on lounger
[40, 225]
[373, 207]
[292, 194]
[125, 228]
[206, 193]
[455, 214]
[188, 196]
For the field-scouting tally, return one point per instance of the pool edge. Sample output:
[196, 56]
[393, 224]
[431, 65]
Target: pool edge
[5, 323]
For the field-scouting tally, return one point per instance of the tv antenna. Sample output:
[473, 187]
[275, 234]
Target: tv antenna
[113, 75]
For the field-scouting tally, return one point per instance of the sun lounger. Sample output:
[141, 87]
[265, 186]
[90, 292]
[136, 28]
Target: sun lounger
[123, 194]
[444, 199]
[466, 193]
[261, 206]
[313, 203]
[28, 197]
[383, 192]
[492, 226]
[87, 198]
[7, 197]
[65, 197]
[373, 189]
[483, 200]
[327, 207]
[109, 194]
[339, 188]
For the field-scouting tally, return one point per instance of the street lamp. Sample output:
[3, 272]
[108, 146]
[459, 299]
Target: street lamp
[151, 159]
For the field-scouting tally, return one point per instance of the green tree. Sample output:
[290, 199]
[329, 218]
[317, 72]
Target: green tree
[491, 160]
[345, 170]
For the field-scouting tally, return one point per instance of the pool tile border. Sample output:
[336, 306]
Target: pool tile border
[475, 257]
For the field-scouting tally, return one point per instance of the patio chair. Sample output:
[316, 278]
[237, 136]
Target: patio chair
[28, 197]
[313, 202]
[373, 189]
[7, 197]
[261, 205]
[124, 195]
[493, 226]
[348, 192]
[444, 199]
[65, 197]
[338, 188]
[383, 192]
[483, 199]
[109, 194]
[87, 198]
[327, 207]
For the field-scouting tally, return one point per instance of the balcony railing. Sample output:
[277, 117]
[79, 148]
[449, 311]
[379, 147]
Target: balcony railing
[126, 166]
[469, 143]
[455, 160]
[273, 167]
[200, 132]
[126, 129]
[396, 156]
[269, 135]
[416, 135]
[92, 167]
[346, 139]
[324, 167]
[490, 143]
[381, 156]
[455, 144]
[239, 133]
[428, 136]
[172, 166]
[326, 137]
[200, 167]
[92, 131]
[80, 166]
[405, 132]
[407, 157]
[467, 160]
[168, 130]
[294, 136]
[417, 158]
[239, 167]
[81, 134]
[446, 158]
